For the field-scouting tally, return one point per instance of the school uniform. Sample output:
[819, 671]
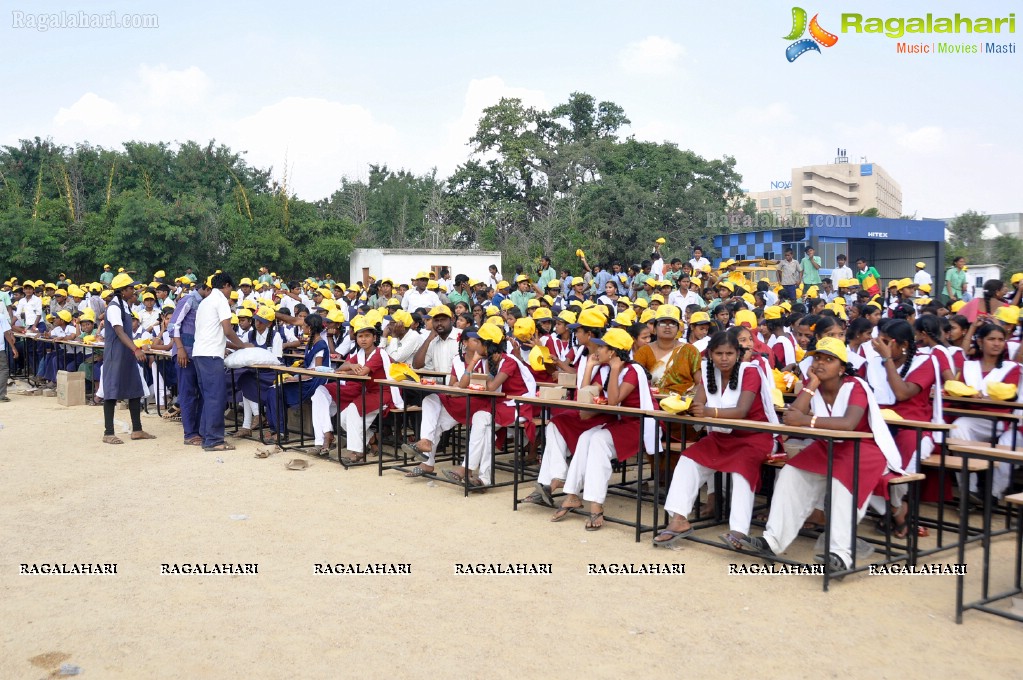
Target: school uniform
[182, 326]
[924, 372]
[566, 427]
[740, 453]
[439, 416]
[356, 418]
[294, 393]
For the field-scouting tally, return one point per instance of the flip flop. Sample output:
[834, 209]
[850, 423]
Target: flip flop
[224, 446]
[411, 450]
[418, 472]
[536, 498]
[112, 439]
[297, 464]
[732, 540]
[676, 536]
[546, 494]
[454, 477]
[194, 441]
[563, 512]
[591, 524]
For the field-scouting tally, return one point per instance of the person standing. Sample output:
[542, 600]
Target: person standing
[121, 377]
[790, 274]
[922, 278]
[546, 272]
[955, 279]
[842, 271]
[810, 266]
[107, 276]
[213, 332]
[699, 261]
[6, 346]
[868, 277]
[182, 330]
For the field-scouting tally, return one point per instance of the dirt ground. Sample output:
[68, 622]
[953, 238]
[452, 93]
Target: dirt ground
[68, 498]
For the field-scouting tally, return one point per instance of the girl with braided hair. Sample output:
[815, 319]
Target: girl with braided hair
[833, 398]
[930, 338]
[731, 390]
[823, 327]
[506, 374]
[988, 365]
[626, 385]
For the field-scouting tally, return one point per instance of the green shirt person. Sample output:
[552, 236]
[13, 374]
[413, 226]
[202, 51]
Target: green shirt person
[955, 279]
[523, 295]
[811, 266]
[547, 273]
[107, 276]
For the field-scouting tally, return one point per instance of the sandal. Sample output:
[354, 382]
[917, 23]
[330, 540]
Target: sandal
[673, 537]
[374, 445]
[546, 494]
[536, 498]
[417, 471]
[413, 451]
[348, 461]
[757, 545]
[194, 441]
[112, 439]
[733, 539]
[142, 435]
[563, 512]
[243, 433]
[592, 522]
[224, 446]
[454, 477]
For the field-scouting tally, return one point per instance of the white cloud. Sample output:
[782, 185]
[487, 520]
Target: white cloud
[93, 112]
[652, 56]
[927, 139]
[321, 140]
[163, 86]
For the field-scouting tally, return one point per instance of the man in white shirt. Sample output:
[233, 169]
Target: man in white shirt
[402, 341]
[440, 347]
[699, 261]
[29, 308]
[922, 278]
[419, 296]
[213, 332]
[842, 271]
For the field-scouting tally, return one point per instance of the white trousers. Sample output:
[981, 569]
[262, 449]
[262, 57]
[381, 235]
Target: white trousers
[434, 421]
[555, 456]
[356, 428]
[251, 410]
[685, 486]
[796, 492]
[323, 411]
[159, 384]
[979, 430]
[590, 470]
[481, 446]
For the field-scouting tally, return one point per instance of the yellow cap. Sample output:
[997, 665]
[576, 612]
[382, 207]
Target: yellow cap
[502, 284]
[956, 306]
[676, 404]
[641, 303]
[532, 304]
[65, 315]
[579, 252]
[1008, 314]
[920, 265]
[394, 302]
[657, 297]
[924, 288]
[335, 316]
[524, 328]
[1001, 391]
[616, 338]
[567, 316]
[421, 275]
[647, 315]
[539, 357]
[1016, 278]
[246, 281]
[960, 389]
[402, 317]
[400, 371]
[834, 347]
[121, 281]
[698, 318]
[745, 317]
[88, 315]
[773, 312]
[576, 280]
[661, 241]
[265, 314]
[160, 274]
[507, 304]
[592, 318]
[432, 285]
[522, 277]
[905, 283]
[669, 312]
[541, 314]
[493, 310]
[496, 320]
[811, 291]
[440, 310]
[626, 317]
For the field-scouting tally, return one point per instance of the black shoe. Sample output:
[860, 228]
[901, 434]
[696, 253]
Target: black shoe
[834, 562]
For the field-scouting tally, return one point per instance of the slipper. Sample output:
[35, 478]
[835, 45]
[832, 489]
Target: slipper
[142, 435]
[297, 464]
[194, 441]
[112, 439]
[546, 494]
[243, 433]
[223, 446]
[591, 523]
[563, 512]
[454, 477]
[418, 472]
[755, 544]
[536, 498]
[351, 459]
[673, 537]
[476, 483]
[411, 450]
[733, 540]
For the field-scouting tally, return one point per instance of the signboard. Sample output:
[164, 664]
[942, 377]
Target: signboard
[781, 184]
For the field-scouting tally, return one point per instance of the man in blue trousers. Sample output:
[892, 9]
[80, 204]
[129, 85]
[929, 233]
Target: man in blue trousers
[182, 328]
[213, 334]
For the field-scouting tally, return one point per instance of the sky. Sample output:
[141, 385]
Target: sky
[325, 89]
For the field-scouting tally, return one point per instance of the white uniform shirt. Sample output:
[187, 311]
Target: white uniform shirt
[30, 310]
[922, 278]
[210, 340]
[403, 350]
[441, 353]
[413, 300]
[840, 274]
[698, 265]
[5, 325]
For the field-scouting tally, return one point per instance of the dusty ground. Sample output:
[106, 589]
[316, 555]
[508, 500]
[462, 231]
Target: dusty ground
[69, 498]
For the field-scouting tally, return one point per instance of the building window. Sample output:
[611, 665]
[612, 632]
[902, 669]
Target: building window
[764, 203]
[788, 200]
[777, 201]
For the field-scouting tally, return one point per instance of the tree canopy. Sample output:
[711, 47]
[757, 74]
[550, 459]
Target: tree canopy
[535, 182]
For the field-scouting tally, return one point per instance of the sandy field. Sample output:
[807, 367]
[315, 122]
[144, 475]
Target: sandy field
[68, 498]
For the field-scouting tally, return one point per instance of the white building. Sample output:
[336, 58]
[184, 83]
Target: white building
[401, 264]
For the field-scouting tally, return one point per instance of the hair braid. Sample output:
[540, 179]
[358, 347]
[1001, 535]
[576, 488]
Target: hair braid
[712, 385]
[733, 380]
[910, 353]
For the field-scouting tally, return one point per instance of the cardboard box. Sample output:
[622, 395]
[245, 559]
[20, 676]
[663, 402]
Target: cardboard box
[552, 393]
[70, 388]
[566, 379]
[479, 379]
[587, 394]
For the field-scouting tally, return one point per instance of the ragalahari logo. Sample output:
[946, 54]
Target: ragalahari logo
[817, 35]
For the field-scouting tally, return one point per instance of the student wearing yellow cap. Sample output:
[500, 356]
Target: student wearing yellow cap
[121, 377]
[63, 355]
[732, 390]
[164, 375]
[294, 393]
[831, 399]
[419, 297]
[591, 467]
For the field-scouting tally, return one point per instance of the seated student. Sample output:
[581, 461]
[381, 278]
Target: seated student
[509, 375]
[930, 339]
[737, 391]
[698, 334]
[591, 466]
[822, 327]
[986, 366]
[62, 329]
[566, 426]
[902, 379]
[832, 399]
[316, 354]
[163, 374]
[253, 385]
[561, 342]
[368, 360]
[244, 329]
[524, 338]
[858, 336]
[442, 412]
